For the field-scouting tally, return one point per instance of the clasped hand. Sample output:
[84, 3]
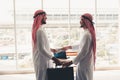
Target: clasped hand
[65, 63]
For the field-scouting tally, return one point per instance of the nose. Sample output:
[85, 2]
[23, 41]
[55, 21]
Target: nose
[80, 21]
[45, 17]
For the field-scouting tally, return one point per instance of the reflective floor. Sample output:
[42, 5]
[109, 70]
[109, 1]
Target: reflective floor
[98, 75]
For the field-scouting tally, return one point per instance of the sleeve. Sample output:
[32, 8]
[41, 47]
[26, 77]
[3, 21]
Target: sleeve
[75, 47]
[86, 41]
[41, 45]
[78, 46]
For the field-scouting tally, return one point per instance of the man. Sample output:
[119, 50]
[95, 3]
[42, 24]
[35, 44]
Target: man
[85, 59]
[41, 50]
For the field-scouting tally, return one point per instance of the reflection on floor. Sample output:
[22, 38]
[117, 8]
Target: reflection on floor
[107, 75]
[98, 75]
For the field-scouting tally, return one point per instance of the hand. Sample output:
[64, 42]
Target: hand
[57, 61]
[53, 50]
[67, 47]
[67, 63]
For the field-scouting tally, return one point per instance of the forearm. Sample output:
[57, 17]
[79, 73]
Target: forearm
[57, 61]
[61, 49]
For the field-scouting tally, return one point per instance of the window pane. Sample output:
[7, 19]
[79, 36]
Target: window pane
[7, 49]
[7, 39]
[6, 13]
[107, 33]
[24, 19]
[57, 11]
[79, 7]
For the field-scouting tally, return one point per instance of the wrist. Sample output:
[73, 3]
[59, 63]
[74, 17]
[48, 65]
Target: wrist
[71, 62]
[70, 47]
[53, 58]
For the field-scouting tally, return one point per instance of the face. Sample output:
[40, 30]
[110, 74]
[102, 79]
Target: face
[44, 19]
[82, 23]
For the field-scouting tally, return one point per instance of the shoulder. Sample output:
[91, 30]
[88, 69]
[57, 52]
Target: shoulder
[87, 35]
[40, 31]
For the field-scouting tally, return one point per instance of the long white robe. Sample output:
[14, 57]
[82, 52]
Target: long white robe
[84, 59]
[41, 55]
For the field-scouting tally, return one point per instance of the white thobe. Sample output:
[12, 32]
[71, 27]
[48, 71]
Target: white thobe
[84, 59]
[41, 55]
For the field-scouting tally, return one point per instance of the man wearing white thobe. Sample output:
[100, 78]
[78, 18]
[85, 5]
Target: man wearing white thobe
[85, 59]
[41, 50]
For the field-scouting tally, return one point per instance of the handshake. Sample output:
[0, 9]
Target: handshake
[64, 63]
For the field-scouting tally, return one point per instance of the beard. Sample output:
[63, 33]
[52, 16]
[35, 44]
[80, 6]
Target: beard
[43, 21]
[82, 25]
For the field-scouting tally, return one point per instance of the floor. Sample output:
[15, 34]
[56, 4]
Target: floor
[98, 75]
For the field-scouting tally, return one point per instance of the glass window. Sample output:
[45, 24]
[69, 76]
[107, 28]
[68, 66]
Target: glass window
[6, 14]
[56, 8]
[107, 33]
[62, 28]
[24, 20]
[7, 39]
[15, 33]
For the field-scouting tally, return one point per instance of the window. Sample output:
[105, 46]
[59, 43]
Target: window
[62, 29]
